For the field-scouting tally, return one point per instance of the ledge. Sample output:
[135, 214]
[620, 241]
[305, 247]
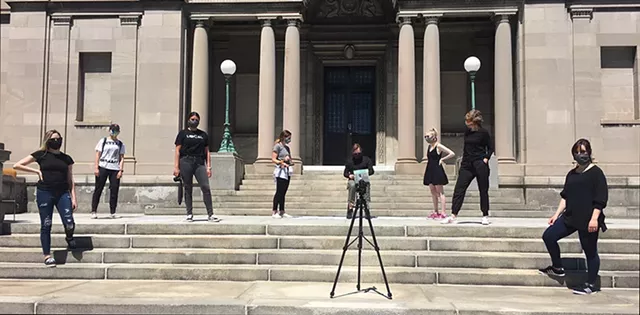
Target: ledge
[620, 122]
[91, 124]
[245, 16]
[456, 12]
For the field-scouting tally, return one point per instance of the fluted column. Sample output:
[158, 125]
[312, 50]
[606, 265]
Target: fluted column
[266, 93]
[291, 87]
[503, 93]
[200, 75]
[431, 78]
[406, 93]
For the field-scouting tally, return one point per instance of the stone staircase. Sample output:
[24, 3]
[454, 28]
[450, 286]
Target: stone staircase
[414, 251]
[324, 194]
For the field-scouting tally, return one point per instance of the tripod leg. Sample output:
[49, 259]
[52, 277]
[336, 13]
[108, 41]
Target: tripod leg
[359, 208]
[377, 249]
[344, 251]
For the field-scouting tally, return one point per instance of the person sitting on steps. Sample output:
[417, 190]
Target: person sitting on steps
[356, 162]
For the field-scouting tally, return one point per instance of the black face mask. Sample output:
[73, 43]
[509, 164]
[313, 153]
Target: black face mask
[193, 123]
[582, 158]
[357, 155]
[54, 143]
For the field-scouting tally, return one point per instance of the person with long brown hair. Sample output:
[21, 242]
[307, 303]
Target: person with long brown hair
[582, 200]
[478, 148]
[281, 157]
[55, 188]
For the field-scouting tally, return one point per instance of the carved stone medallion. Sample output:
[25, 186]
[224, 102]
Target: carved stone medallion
[341, 8]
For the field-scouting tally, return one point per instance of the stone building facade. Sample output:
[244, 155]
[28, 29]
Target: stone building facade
[379, 72]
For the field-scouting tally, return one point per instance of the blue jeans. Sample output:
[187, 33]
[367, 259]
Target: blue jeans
[46, 200]
[588, 241]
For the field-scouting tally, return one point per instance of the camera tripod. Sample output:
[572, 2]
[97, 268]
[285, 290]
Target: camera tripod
[362, 210]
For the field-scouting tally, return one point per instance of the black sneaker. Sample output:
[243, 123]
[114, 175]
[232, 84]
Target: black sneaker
[50, 262]
[552, 271]
[349, 214]
[585, 289]
[71, 243]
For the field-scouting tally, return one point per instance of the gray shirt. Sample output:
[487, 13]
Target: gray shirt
[282, 150]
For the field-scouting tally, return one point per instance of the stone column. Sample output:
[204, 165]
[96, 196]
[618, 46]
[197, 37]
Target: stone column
[291, 88]
[200, 75]
[406, 98]
[503, 93]
[266, 94]
[431, 78]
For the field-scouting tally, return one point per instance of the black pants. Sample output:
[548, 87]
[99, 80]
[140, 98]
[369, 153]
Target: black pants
[588, 241]
[282, 185]
[190, 167]
[468, 171]
[114, 186]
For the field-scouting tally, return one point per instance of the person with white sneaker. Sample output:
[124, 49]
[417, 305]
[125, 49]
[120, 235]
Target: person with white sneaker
[478, 148]
[583, 199]
[281, 157]
[109, 164]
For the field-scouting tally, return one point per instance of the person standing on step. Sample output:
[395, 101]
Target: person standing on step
[434, 174]
[478, 148]
[109, 163]
[281, 157]
[356, 162]
[55, 188]
[583, 199]
[191, 159]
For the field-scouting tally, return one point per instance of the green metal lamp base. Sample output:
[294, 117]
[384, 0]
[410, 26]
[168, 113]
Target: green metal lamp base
[226, 146]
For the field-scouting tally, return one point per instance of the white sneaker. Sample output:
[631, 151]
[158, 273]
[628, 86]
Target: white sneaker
[94, 215]
[485, 221]
[448, 220]
[284, 215]
[213, 218]
[276, 216]
[189, 218]
[114, 216]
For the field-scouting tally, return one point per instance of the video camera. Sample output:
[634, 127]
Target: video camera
[361, 187]
[361, 178]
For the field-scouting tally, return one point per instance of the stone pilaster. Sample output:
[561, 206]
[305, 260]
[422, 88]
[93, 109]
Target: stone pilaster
[266, 96]
[291, 88]
[431, 78]
[200, 74]
[503, 92]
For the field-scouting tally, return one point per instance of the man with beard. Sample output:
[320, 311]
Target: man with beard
[356, 162]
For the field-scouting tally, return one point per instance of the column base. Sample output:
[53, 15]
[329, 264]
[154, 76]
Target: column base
[409, 167]
[263, 166]
[227, 171]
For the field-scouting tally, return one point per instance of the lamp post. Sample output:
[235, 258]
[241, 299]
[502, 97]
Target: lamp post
[472, 65]
[228, 68]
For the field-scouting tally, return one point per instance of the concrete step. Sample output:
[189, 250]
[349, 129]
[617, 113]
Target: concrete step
[341, 204]
[570, 245]
[298, 298]
[300, 257]
[335, 212]
[311, 273]
[422, 194]
[293, 196]
[337, 176]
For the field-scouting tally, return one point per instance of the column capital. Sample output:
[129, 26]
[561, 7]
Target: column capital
[130, 19]
[581, 13]
[294, 22]
[404, 20]
[266, 22]
[61, 20]
[499, 18]
[201, 22]
[432, 18]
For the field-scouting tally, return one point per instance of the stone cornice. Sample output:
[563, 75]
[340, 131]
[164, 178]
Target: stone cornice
[581, 13]
[61, 19]
[246, 16]
[130, 19]
[455, 12]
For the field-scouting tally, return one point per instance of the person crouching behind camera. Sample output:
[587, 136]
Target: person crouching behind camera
[356, 162]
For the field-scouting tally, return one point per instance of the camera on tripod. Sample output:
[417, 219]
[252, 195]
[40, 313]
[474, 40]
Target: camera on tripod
[361, 187]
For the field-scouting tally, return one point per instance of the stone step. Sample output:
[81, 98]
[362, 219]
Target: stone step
[302, 257]
[336, 212]
[467, 244]
[341, 204]
[337, 176]
[343, 194]
[319, 227]
[377, 198]
[310, 273]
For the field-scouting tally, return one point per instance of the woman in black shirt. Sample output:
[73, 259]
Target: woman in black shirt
[192, 159]
[584, 196]
[478, 148]
[55, 187]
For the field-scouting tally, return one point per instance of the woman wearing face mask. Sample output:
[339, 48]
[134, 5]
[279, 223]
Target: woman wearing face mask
[478, 148]
[356, 162]
[55, 188]
[583, 198]
[109, 163]
[434, 175]
[281, 157]
[192, 159]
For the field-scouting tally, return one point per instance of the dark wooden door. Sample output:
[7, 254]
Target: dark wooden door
[349, 112]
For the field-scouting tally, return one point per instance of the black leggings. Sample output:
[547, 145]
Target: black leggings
[468, 171]
[114, 186]
[282, 185]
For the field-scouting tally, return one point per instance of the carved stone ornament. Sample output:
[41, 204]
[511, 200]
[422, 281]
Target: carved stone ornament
[341, 8]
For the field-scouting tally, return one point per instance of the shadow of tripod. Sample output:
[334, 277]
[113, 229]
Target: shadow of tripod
[362, 207]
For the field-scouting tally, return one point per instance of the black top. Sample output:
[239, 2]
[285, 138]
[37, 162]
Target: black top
[478, 145]
[192, 143]
[361, 163]
[584, 192]
[55, 170]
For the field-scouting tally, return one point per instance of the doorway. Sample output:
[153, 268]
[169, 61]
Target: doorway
[349, 112]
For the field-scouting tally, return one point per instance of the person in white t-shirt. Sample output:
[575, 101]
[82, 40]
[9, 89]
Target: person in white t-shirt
[109, 164]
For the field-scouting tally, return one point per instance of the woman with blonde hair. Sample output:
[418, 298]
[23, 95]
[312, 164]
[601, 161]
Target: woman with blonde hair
[434, 175]
[55, 187]
[478, 148]
[281, 157]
